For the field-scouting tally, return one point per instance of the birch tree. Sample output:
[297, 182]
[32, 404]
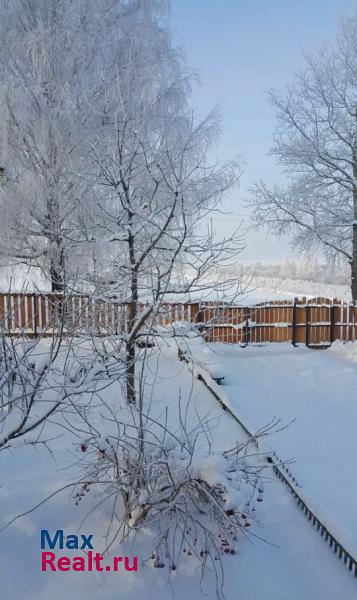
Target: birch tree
[53, 55]
[315, 142]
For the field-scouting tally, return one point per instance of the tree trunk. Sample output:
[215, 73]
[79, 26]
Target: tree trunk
[57, 271]
[130, 373]
[354, 226]
[132, 315]
[354, 247]
[131, 355]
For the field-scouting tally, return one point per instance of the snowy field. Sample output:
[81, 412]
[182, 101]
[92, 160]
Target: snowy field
[256, 286]
[290, 564]
[275, 288]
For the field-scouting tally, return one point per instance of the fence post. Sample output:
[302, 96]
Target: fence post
[332, 322]
[194, 309]
[307, 323]
[197, 313]
[293, 324]
[247, 327]
[34, 315]
[116, 317]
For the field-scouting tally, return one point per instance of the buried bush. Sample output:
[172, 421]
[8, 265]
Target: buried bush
[191, 503]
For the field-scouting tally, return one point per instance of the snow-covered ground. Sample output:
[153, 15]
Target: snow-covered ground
[258, 283]
[304, 276]
[275, 288]
[316, 392]
[292, 563]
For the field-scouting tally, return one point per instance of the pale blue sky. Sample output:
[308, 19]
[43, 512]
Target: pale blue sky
[242, 48]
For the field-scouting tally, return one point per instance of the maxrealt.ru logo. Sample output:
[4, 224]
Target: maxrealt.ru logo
[89, 561]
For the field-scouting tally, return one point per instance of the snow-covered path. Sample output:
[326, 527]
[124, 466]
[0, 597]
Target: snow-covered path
[318, 391]
[294, 564]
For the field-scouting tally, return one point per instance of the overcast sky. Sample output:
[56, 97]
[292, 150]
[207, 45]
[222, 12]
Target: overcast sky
[241, 48]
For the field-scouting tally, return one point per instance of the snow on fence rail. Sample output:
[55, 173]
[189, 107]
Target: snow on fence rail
[280, 470]
[314, 322]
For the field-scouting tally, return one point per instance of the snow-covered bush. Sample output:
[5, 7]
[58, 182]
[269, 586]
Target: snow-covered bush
[192, 502]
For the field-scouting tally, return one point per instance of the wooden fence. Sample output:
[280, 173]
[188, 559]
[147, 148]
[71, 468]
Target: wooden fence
[315, 322]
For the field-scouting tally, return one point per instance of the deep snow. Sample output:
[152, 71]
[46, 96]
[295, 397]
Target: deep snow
[314, 393]
[292, 564]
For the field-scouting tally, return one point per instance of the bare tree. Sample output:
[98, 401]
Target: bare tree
[155, 186]
[316, 144]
